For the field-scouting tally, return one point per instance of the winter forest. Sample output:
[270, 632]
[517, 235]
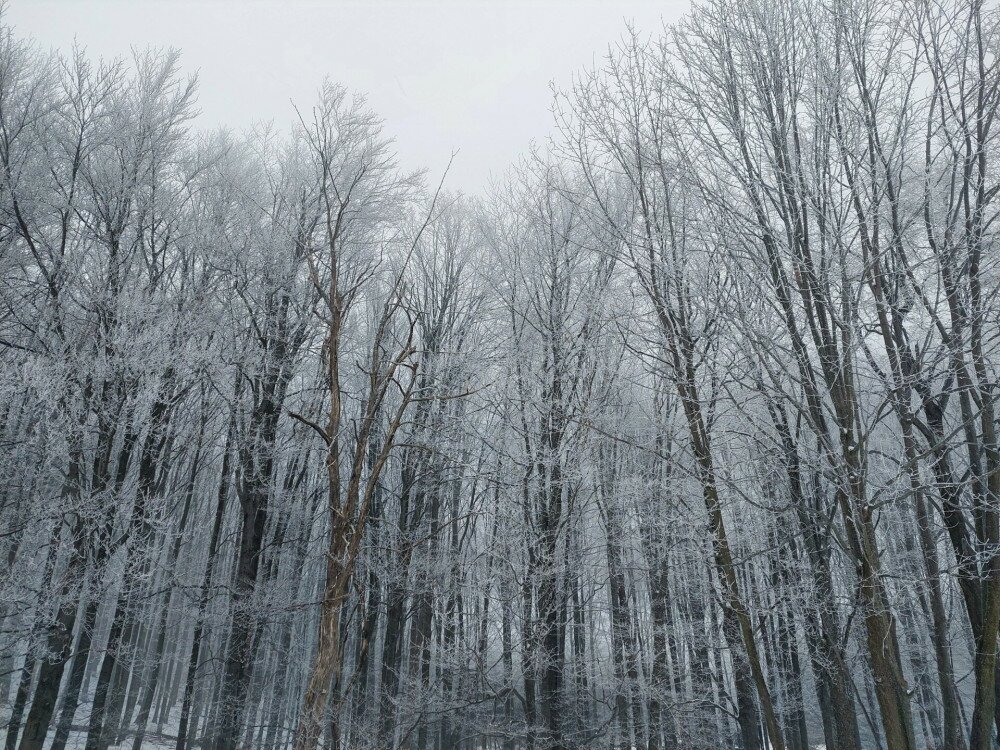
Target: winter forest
[680, 436]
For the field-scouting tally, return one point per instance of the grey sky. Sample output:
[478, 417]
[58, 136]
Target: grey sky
[469, 75]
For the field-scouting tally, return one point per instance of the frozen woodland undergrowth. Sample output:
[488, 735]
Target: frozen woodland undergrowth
[681, 436]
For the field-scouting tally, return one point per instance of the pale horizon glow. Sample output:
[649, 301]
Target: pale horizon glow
[468, 76]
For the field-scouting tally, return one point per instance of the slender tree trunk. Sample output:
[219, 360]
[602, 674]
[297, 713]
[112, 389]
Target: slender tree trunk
[218, 522]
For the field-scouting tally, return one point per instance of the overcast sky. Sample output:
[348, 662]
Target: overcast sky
[470, 75]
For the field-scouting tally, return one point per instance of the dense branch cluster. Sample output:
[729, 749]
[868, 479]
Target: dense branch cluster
[682, 436]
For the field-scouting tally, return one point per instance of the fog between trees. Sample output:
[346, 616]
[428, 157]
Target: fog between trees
[683, 435]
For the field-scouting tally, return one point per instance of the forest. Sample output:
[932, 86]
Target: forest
[681, 436]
